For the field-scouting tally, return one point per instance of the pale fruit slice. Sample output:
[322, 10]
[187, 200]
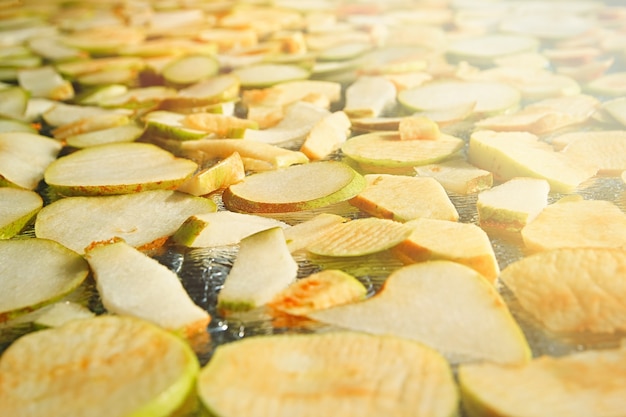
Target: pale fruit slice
[190, 69]
[489, 97]
[430, 240]
[346, 373]
[220, 125]
[577, 223]
[217, 89]
[581, 384]
[326, 136]
[301, 235]
[289, 92]
[90, 123]
[296, 188]
[17, 208]
[392, 197]
[418, 128]
[611, 85]
[141, 219]
[118, 168]
[144, 370]
[443, 304]
[385, 150]
[35, 272]
[262, 269]
[221, 228]
[59, 313]
[256, 156]
[457, 176]
[45, 82]
[359, 237]
[485, 49]
[171, 125]
[317, 291]
[266, 75]
[616, 108]
[605, 149]
[369, 96]
[143, 288]
[520, 154]
[13, 102]
[24, 157]
[571, 289]
[128, 132]
[513, 204]
[222, 174]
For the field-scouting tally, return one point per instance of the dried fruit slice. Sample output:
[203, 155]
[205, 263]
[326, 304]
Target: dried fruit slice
[35, 272]
[190, 69]
[222, 174]
[485, 49]
[457, 176]
[296, 188]
[24, 157]
[141, 219]
[392, 197]
[326, 136]
[59, 313]
[118, 168]
[443, 304]
[577, 223]
[317, 291]
[359, 237]
[581, 384]
[604, 149]
[301, 235]
[262, 269]
[17, 209]
[384, 150]
[144, 370]
[430, 240]
[124, 291]
[128, 132]
[348, 373]
[369, 96]
[265, 75]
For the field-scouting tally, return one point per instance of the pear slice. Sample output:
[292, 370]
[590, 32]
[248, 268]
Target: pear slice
[59, 313]
[217, 89]
[296, 188]
[457, 176]
[24, 157]
[591, 383]
[141, 219]
[262, 269]
[326, 136]
[369, 96]
[337, 373]
[221, 228]
[268, 74]
[301, 235]
[443, 304]
[385, 150]
[576, 223]
[571, 289]
[324, 289]
[112, 366]
[118, 168]
[219, 176]
[605, 149]
[17, 209]
[143, 288]
[391, 197]
[430, 239]
[35, 272]
[519, 154]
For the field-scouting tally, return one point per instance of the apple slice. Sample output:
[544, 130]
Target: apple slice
[430, 240]
[118, 168]
[337, 373]
[457, 176]
[588, 383]
[520, 154]
[391, 197]
[513, 204]
[115, 366]
[296, 188]
[221, 228]
[443, 304]
[143, 288]
[24, 157]
[219, 176]
[141, 219]
[262, 269]
[380, 151]
[35, 272]
[573, 223]
[17, 208]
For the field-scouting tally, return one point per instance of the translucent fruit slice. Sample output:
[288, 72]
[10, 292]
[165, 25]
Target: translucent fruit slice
[35, 272]
[296, 188]
[144, 370]
[359, 237]
[17, 209]
[346, 373]
[118, 168]
[591, 383]
[443, 304]
[24, 157]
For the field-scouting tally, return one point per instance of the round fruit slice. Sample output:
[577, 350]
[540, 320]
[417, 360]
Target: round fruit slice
[119, 168]
[338, 373]
[299, 187]
[17, 208]
[266, 75]
[485, 49]
[35, 272]
[111, 366]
